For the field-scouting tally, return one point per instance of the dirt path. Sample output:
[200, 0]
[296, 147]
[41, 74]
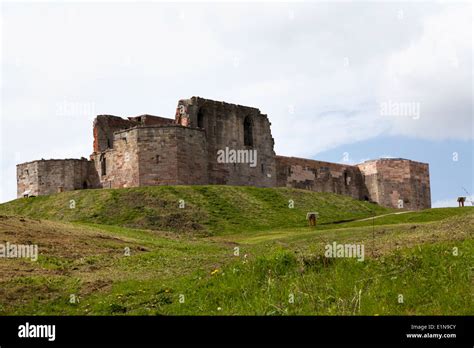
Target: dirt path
[378, 216]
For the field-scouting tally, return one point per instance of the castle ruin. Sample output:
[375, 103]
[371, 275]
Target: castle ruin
[149, 150]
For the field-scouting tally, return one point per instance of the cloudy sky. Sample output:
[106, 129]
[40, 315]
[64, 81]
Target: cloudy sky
[342, 82]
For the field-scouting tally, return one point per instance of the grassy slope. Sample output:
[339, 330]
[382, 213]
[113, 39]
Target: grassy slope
[409, 254]
[84, 260]
[208, 209]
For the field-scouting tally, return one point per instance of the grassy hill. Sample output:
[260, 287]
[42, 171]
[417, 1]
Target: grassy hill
[232, 250]
[207, 209]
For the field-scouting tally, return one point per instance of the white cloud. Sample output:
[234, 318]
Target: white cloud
[435, 71]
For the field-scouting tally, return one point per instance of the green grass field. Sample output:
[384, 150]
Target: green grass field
[209, 210]
[232, 251]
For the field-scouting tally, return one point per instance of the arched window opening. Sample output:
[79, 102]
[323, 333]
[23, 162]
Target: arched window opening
[248, 132]
[200, 119]
[103, 166]
[347, 179]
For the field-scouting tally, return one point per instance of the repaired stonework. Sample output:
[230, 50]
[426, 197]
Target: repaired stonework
[149, 150]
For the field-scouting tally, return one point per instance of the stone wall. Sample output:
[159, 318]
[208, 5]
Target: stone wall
[320, 176]
[232, 127]
[398, 183]
[371, 179]
[118, 167]
[27, 178]
[154, 155]
[172, 155]
[45, 177]
[420, 186]
[105, 126]
[150, 120]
